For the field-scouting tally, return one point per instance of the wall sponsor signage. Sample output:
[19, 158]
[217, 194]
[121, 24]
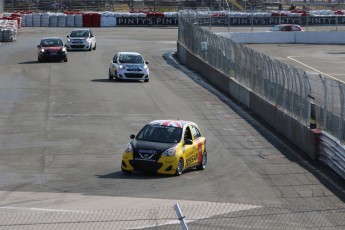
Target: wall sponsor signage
[232, 21]
[315, 20]
[146, 21]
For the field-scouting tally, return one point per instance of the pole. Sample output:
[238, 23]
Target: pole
[180, 217]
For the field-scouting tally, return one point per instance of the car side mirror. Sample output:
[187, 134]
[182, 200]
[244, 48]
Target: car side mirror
[132, 136]
[67, 36]
[146, 62]
[188, 142]
[38, 46]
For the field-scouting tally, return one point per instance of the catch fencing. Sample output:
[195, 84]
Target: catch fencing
[194, 216]
[309, 98]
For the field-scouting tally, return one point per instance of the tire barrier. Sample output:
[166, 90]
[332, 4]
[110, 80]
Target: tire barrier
[215, 18]
[8, 30]
[96, 19]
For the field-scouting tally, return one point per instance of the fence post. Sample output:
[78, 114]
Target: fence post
[312, 116]
[180, 217]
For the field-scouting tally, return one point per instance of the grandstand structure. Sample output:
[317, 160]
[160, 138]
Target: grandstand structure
[160, 5]
[2, 4]
[130, 5]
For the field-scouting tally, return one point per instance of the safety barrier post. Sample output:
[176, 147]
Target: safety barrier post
[180, 217]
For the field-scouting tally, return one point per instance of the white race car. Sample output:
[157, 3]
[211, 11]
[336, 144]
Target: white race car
[129, 66]
[81, 39]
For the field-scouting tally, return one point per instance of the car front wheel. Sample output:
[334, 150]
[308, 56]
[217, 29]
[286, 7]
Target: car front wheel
[180, 167]
[126, 171]
[203, 162]
[110, 77]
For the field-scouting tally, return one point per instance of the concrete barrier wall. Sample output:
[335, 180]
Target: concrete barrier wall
[303, 137]
[217, 78]
[312, 37]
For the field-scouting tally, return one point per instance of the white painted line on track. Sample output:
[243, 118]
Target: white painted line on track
[292, 58]
[52, 116]
[83, 209]
[39, 209]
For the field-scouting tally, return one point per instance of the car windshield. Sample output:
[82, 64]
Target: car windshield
[131, 58]
[159, 133]
[275, 28]
[79, 34]
[51, 42]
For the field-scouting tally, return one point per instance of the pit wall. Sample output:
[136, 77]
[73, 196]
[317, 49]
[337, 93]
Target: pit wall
[302, 136]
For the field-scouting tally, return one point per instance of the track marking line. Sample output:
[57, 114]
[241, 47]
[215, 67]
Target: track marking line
[40, 209]
[292, 58]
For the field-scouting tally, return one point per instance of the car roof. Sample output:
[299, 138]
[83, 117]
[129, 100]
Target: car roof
[51, 38]
[128, 53]
[287, 25]
[173, 123]
[81, 29]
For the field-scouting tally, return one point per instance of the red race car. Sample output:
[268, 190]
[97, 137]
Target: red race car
[286, 27]
[52, 49]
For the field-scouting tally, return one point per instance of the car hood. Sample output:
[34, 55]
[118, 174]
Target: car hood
[77, 38]
[133, 66]
[149, 147]
[53, 48]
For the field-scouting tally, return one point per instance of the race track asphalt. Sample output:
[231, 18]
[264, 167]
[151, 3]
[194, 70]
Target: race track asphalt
[63, 127]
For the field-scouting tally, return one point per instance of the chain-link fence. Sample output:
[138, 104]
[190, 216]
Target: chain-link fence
[200, 216]
[292, 90]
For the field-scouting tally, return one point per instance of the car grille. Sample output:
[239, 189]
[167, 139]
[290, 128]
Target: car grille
[146, 166]
[77, 46]
[53, 52]
[151, 154]
[134, 75]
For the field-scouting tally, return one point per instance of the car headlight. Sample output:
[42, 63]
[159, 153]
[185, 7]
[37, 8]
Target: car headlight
[145, 66]
[129, 148]
[64, 49]
[43, 50]
[169, 152]
[121, 66]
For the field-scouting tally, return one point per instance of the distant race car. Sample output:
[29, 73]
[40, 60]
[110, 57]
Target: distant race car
[286, 27]
[129, 66]
[166, 147]
[81, 39]
[51, 49]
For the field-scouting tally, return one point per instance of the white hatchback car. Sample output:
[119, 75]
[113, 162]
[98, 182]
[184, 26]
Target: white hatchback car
[129, 66]
[81, 39]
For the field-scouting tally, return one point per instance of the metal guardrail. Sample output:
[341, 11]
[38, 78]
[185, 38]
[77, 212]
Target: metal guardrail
[332, 153]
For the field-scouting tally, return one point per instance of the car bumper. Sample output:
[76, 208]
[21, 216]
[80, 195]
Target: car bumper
[165, 165]
[50, 57]
[123, 75]
[79, 46]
